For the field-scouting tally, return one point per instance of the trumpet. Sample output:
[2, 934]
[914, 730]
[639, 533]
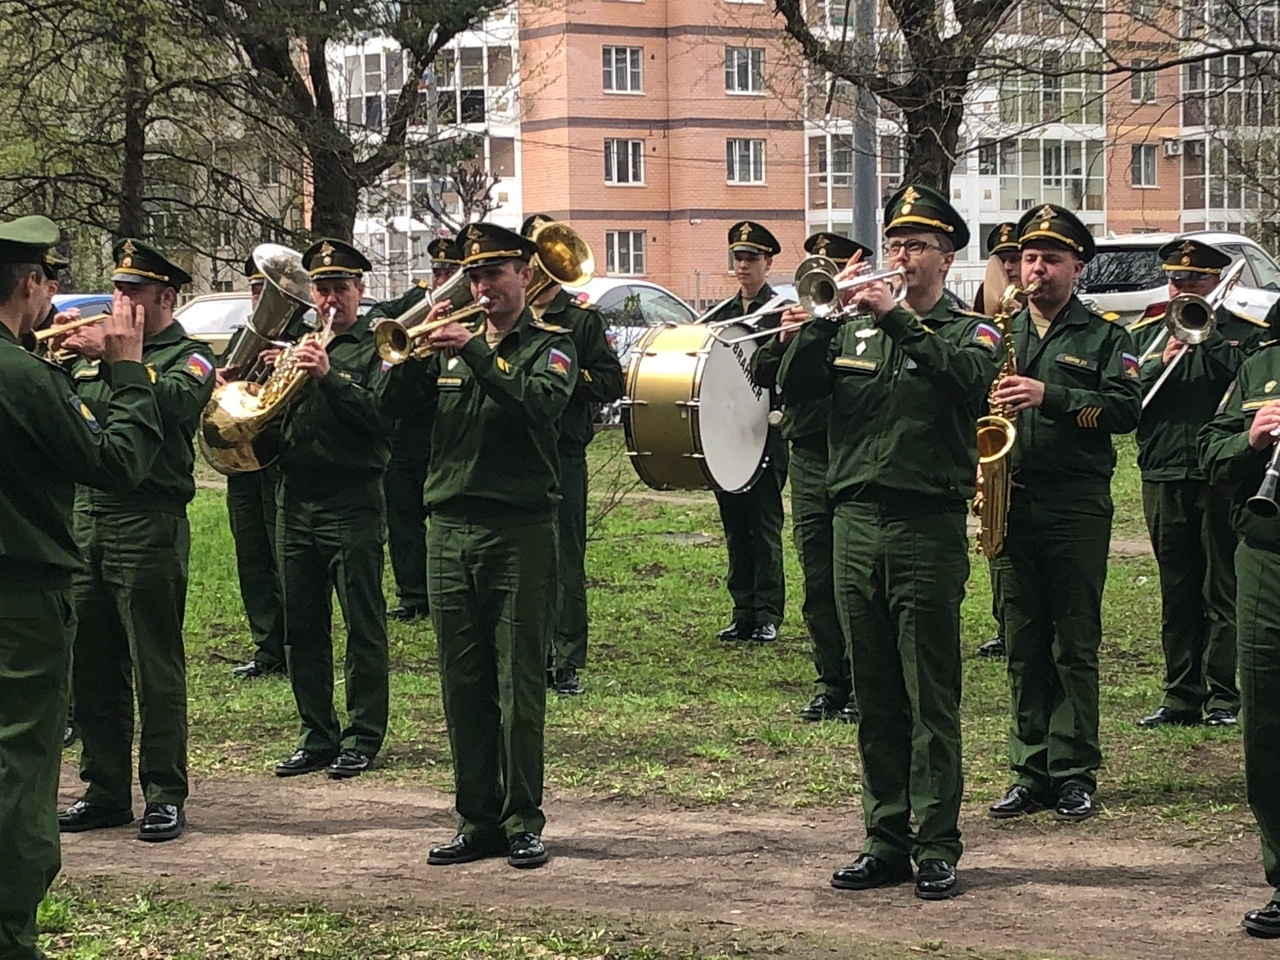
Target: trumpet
[396, 338]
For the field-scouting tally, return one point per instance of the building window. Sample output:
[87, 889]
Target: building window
[624, 161]
[744, 160]
[1142, 86]
[622, 69]
[465, 86]
[744, 69]
[1141, 9]
[374, 81]
[1142, 165]
[624, 252]
[1067, 89]
[1032, 171]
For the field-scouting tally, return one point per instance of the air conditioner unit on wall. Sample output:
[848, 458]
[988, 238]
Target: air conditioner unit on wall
[1172, 147]
[1195, 148]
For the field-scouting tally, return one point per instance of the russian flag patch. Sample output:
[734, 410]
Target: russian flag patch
[559, 362]
[199, 367]
[987, 336]
[1130, 365]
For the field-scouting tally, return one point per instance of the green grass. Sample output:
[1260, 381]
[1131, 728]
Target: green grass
[673, 713]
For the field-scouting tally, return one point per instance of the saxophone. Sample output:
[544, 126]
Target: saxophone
[240, 426]
[996, 434]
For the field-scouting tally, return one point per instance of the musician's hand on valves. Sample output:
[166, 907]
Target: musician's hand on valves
[451, 336]
[792, 319]
[121, 332]
[312, 358]
[1018, 393]
[1265, 427]
[220, 377]
[269, 356]
[874, 298]
[1171, 349]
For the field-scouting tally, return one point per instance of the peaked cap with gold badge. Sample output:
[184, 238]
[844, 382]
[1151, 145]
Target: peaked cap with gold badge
[136, 262]
[917, 207]
[748, 237]
[28, 240]
[251, 271]
[443, 252]
[1003, 238]
[1192, 260]
[484, 243]
[838, 248]
[1057, 225]
[331, 259]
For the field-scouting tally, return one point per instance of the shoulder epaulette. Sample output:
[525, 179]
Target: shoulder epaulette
[1145, 322]
[1268, 343]
[422, 284]
[966, 312]
[549, 327]
[1247, 318]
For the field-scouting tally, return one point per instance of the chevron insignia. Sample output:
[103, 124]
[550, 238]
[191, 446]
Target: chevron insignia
[1088, 417]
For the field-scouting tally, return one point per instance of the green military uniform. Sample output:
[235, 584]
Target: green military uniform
[131, 594]
[57, 441]
[1236, 470]
[331, 527]
[1190, 530]
[492, 493]
[752, 518]
[905, 397]
[804, 427]
[1054, 563]
[402, 487]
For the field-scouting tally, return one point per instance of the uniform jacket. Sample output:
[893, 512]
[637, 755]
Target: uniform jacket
[182, 369]
[52, 441]
[1225, 455]
[495, 428]
[334, 436]
[599, 372]
[905, 398]
[1170, 425]
[1092, 390]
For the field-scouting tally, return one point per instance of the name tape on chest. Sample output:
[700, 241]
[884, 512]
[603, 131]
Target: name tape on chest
[863, 364]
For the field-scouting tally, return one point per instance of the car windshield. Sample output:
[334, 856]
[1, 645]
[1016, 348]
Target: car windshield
[214, 316]
[1121, 270]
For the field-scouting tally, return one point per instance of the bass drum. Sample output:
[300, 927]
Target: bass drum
[692, 416]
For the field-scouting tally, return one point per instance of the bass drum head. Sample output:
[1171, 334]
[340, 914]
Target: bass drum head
[732, 413]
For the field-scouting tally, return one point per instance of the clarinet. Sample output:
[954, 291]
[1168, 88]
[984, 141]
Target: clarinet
[1263, 503]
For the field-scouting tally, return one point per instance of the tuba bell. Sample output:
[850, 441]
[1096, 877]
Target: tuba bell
[285, 292]
[563, 257]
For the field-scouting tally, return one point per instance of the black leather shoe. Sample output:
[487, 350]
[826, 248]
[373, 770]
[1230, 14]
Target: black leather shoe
[1263, 923]
[867, 872]
[567, 683]
[1017, 801]
[993, 649]
[347, 764]
[525, 850]
[737, 630]
[408, 612]
[303, 761]
[1074, 803]
[1166, 717]
[935, 880]
[849, 713]
[68, 736]
[81, 816]
[247, 671]
[161, 821]
[821, 707]
[1220, 717]
[464, 849]
[765, 633]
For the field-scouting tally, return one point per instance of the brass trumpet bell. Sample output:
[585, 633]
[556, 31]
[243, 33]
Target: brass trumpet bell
[395, 339]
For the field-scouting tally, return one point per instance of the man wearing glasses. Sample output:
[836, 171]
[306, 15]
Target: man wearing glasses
[907, 383]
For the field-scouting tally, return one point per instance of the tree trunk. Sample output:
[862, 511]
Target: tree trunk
[129, 205]
[933, 130]
[336, 194]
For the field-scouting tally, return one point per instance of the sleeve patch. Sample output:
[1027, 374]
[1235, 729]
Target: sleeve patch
[82, 408]
[559, 363]
[199, 367]
[986, 335]
[1130, 366]
[1088, 417]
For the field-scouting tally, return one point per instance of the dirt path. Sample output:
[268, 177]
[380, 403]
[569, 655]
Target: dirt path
[1091, 889]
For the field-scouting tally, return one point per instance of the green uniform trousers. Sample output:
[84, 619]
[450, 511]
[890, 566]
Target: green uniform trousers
[813, 533]
[1258, 636]
[1195, 548]
[753, 537]
[569, 647]
[899, 583]
[251, 511]
[36, 631]
[407, 519]
[327, 543]
[1052, 572]
[131, 600]
[493, 592]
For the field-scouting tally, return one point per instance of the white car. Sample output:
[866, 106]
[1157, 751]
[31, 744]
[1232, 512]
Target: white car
[629, 307]
[1126, 278]
[215, 317]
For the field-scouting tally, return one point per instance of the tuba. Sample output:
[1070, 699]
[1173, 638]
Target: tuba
[563, 257]
[996, 434]
[239, 428]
